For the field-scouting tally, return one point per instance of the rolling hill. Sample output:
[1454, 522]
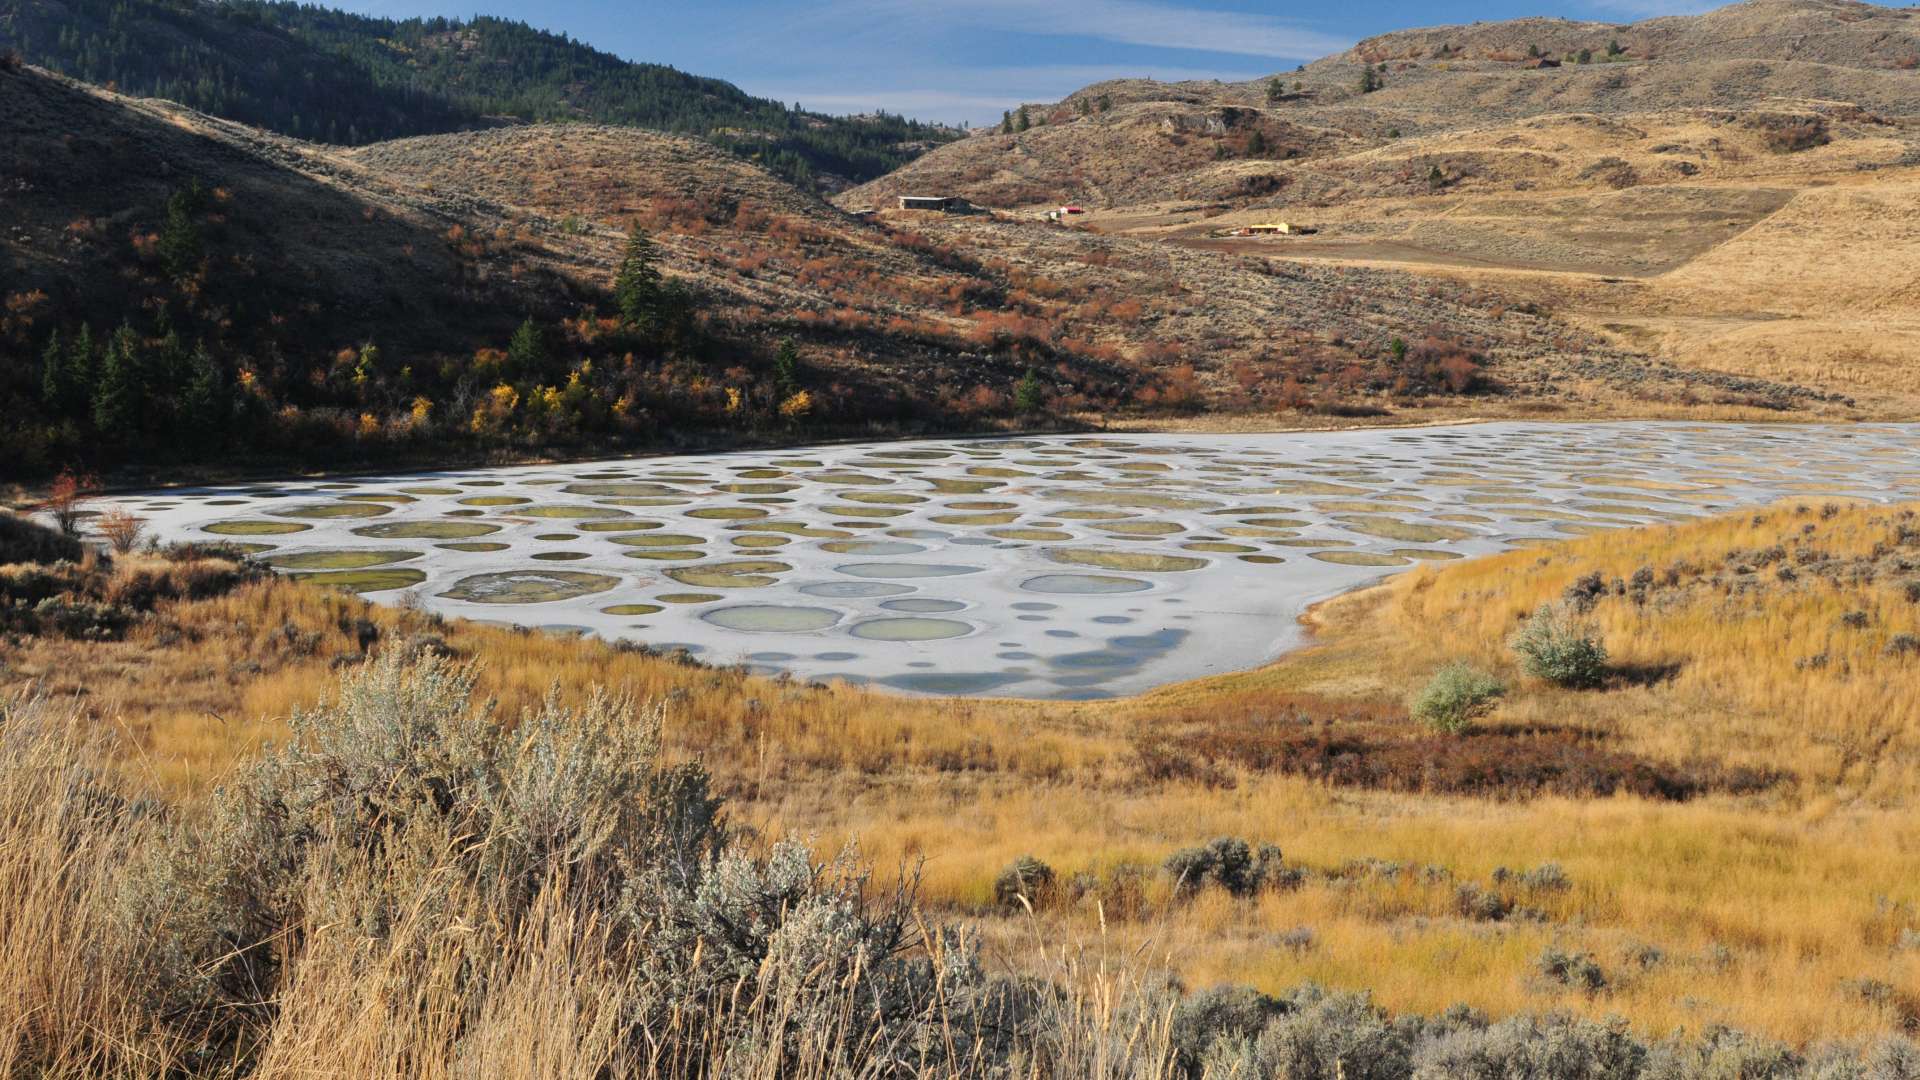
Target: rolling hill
[336, 77]
[450, 293]
[1730, 190]
[183, 286]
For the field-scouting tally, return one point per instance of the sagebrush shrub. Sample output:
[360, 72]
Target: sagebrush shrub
[1026, 877]
[404, 803]
[1481, 905]
[1547, 877]
[1555, 1045]
[1230, 863]
[1559, 647]
[1334, 1034]
[1201, 1020]
[1722, 1051]
[1576, 971]
[1457, 695]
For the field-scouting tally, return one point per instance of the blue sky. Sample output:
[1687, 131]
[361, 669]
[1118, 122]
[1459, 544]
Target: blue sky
[969, 59]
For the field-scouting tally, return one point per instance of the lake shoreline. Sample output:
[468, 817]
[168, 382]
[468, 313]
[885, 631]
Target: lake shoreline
[1065, 566]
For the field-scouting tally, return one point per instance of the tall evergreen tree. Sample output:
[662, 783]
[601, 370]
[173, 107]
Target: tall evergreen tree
[180, 246]
[527, 350]
[786, 369]
[1028, 393]
[636, 289]
[67, 383]
[205, 408]
[53, 374]
[119, 396]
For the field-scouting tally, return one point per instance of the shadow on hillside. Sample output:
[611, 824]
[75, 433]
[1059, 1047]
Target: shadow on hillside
[88, 177]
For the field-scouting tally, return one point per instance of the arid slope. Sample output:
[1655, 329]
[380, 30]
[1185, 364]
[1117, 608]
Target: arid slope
[1729, 191]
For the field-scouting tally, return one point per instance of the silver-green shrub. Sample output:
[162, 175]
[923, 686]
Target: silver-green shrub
[1562, 648]
[1335, 1035]
[1456, 696]
[1554, 1045]
[1230, 863]
[406, 802]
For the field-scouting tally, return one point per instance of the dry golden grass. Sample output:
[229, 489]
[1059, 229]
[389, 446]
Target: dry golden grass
[59, 1017]
[1763, 908]
[206, 683]
[1742, 659]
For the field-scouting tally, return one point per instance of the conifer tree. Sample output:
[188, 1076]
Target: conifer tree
[1027, 393]
[67, 383]
[53, 374]
[786, 369]
[119, 395]
[527, 351]
[636, 288]
[180, 247]
[205, 409]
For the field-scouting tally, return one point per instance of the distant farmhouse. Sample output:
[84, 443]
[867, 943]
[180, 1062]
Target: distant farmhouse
[945, 204]
[1266, 228]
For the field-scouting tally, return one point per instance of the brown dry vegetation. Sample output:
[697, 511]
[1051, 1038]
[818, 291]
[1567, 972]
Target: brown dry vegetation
[1730, 191]
[1752, 866]
[905, 322]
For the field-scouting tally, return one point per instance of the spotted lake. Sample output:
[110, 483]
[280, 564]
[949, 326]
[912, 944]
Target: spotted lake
[1052, 567]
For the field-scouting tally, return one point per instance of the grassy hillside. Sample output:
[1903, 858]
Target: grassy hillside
[452, 296]
[1711, 189]
[1134, 142]
[310, 305]
[331, 76]
[1681, 845]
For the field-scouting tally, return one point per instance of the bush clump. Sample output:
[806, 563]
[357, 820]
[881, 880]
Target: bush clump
[1793, 137]
[1552, 1045]
[1311, 1033]
[1206, 1019]
[1559, 647]
[1547, 877]
[405, 810]
[23, 540]
[1455, 697]
[1230, 863]
[1576, 971]
[1025, 879]
[1481, 905]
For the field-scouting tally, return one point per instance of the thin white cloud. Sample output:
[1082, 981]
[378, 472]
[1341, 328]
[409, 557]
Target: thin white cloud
[1126, 22]
[979, 93]
[1647, 9]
